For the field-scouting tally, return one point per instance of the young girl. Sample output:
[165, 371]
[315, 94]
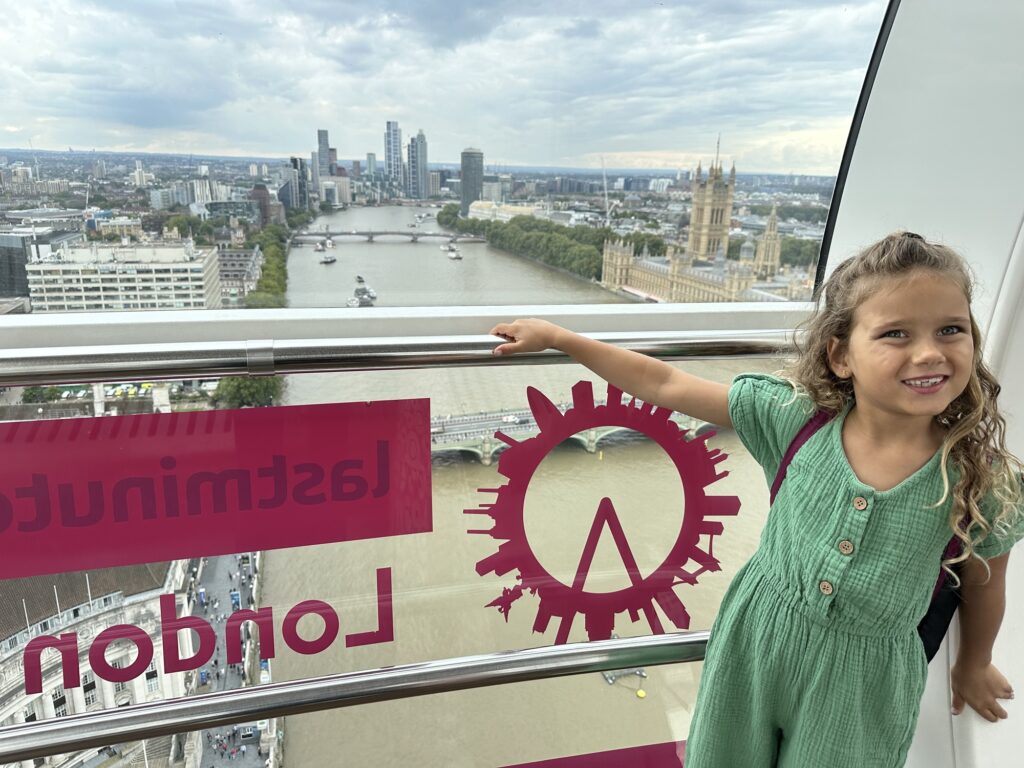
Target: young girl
[814, 658]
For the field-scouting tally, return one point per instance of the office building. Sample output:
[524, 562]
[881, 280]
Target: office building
[249, 210]
[240, 271]
[261, 195]
[323, 154]
[472, 180]
[371, 164]
[122, 226]
[158, 276]
[21, 245]
[301, 181]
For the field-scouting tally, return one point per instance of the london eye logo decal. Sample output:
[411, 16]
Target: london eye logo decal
[686, 560]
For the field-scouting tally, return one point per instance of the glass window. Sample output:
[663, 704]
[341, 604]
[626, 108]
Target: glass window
[581, 172]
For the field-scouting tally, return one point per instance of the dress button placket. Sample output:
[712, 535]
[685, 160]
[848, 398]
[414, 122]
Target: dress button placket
[846, 547]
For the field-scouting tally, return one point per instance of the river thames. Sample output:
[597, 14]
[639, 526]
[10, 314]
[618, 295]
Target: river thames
[439, 602]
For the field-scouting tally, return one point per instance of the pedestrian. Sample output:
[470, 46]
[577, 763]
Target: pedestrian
[889, 365]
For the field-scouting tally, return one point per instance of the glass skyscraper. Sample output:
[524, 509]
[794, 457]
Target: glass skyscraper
[323, 154]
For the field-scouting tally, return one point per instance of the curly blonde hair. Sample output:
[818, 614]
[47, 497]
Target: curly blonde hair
[974, 429]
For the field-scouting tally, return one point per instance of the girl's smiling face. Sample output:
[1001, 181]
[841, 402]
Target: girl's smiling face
[910, 351]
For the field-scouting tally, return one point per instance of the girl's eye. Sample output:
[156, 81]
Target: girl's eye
[951, 330]
[894, 334]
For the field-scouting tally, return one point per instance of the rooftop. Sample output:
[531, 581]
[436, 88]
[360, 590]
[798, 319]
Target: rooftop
[71, 589]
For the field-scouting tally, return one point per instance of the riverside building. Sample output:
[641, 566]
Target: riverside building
[157, 276]
[86, 603]
[679, 277]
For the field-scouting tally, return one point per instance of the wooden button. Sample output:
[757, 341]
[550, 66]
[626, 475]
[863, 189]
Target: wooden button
[826, 588]
[846, 547]
[860, 503]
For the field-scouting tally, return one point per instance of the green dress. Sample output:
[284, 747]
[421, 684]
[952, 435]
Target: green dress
[814, 658]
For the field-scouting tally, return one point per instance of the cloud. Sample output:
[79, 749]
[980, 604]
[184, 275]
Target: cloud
[531, 82]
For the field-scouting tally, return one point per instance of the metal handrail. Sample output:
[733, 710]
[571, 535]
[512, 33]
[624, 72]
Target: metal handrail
[124, 362]
[146, 721]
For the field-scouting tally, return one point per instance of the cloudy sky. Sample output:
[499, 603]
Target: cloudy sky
[531, 82]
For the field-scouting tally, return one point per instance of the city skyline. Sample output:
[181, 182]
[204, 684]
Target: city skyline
[532, 85]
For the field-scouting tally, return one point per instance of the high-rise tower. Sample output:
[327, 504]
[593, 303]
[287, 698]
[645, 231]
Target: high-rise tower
[393, 154]
[419, 179]
[301, 198]
[323, 154]
[472, 183]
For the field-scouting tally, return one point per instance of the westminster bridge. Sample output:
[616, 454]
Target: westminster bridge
[474, 433]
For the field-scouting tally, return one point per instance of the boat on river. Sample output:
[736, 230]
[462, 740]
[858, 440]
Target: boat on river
[328, 258]
[363, 295]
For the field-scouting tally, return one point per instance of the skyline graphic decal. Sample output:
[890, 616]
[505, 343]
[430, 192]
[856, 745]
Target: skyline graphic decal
[691, 553]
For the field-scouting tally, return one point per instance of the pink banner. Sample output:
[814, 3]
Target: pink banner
[101, 492]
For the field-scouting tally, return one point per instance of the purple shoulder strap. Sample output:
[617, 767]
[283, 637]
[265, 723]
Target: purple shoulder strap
[816, 422]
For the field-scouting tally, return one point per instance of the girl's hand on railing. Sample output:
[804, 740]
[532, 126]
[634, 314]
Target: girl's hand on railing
[525, 336]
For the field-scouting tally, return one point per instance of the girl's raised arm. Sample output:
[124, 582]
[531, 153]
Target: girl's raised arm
[650, 380]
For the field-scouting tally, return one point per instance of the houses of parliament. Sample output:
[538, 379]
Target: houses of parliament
[698, 270]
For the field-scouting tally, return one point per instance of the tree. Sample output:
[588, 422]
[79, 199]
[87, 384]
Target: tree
[326, 207]
[243, 392]
[263, 300]
[40, 394]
